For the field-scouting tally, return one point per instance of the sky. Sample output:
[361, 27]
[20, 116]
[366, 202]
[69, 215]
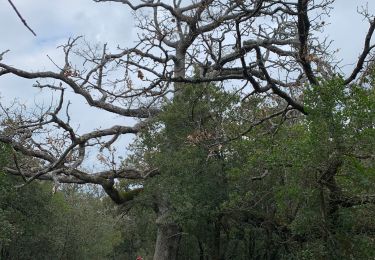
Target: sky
[347, 29]
[54, 21]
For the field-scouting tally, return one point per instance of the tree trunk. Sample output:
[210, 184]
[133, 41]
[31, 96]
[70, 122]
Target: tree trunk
[167, 241]
[216, 246]
[169, 233]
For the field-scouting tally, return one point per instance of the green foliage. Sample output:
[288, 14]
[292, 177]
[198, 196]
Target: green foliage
[185, 145]
[94, 233]
[290, 195]
[263, 195]
[138, 232]
[186, 153]
[36, 224]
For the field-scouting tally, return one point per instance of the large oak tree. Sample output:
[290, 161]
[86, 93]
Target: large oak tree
[265, 49]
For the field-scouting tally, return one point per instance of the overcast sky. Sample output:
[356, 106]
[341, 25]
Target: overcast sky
[56, 20]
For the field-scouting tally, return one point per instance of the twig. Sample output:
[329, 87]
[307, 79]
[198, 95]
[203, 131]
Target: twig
[260, 177]
[17, 166]
[1, 54]
[61, 69]
[20, 16]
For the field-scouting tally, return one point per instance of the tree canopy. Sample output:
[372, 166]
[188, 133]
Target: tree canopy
[250, 142]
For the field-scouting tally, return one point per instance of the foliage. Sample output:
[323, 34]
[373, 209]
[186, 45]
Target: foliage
[185, 145]
[296, 196]
[264, 195]
[37, 224]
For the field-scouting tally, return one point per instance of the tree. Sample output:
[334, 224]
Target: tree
[239, 45]
[303, 189]
[36, 223]
[193, 127]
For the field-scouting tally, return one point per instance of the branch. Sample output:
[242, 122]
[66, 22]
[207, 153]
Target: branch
[303, 35]
[259, 122]
[270, 83]
[348, 202]
[2, 54]
[366, 50]
[20, 16]
[138, 112]
[120, 197]
[260, 177]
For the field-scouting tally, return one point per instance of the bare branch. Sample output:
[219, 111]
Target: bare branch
[303, 33]
[2, 54]
[366, 50]
[20, 16]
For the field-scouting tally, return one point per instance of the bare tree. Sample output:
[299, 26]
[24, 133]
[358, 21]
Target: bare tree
[263, 47]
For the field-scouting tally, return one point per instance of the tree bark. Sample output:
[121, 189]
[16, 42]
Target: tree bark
[168, 232]
[167, 241]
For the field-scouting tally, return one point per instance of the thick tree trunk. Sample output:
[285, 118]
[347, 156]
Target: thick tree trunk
[168, 232]
[167, 242]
